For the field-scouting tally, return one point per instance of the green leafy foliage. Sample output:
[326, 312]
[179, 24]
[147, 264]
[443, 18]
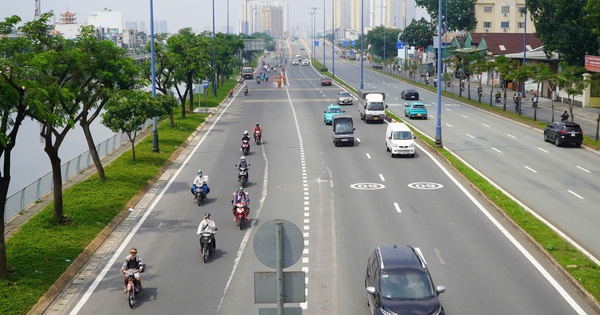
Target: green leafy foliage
[461, 13]
[559, 24]
[379, 36]
[419, 33]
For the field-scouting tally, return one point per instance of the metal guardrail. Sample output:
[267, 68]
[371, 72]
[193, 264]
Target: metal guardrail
[31, 193]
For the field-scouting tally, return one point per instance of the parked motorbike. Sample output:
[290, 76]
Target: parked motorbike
[133, 286]
[245, 147]
[257, 136]
[240, 214]
[245, 90]
[242, 175]
[206, 246]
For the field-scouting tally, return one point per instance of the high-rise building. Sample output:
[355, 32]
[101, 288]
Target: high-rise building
[160, 26]
[262, 16]
[502, 17]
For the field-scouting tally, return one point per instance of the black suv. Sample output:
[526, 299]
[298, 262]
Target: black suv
[563, 132]
[398, 282]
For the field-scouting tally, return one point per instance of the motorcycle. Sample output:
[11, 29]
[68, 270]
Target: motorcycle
[498, 98]
[245, 147]
[258, 80]
[201, 193]
[133, 286]
[242, 175]
[240, 214]
[230, 93]
[246, 91]
[241, 80]
[434, 82]
[257, 136]
[448, 83]
[206, 246]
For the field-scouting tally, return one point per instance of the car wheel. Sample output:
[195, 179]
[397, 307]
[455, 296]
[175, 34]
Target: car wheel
[556, 141]
[545, 137]
[387, 148]
[578, 144]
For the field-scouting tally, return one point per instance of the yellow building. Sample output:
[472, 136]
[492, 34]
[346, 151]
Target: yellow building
[502, 17]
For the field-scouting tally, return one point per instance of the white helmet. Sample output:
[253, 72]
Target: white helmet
[243, 157]
[246, 132]
[199, 172]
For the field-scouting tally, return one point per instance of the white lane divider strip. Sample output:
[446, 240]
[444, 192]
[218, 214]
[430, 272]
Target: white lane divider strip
[531, 169]
[381, 177]
[574, 194]
[583, 169]
[397, 207]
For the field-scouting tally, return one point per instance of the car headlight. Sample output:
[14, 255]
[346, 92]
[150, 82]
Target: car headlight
[412, 145]
[386, 312]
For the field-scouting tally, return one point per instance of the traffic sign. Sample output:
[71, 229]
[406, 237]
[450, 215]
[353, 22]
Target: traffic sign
[353, 43]
[316, 43]
[205, 84]
[345, 43]
[399, 45]
[264, 243]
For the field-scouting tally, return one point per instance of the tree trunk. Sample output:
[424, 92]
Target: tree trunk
[4, 183]
[92, 147]
[191, 91]
[132, 140]
[56, 182]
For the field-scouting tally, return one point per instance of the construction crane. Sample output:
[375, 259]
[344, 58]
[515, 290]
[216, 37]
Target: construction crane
[36, 15]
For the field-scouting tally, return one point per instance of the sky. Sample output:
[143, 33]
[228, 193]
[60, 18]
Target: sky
[177, 13]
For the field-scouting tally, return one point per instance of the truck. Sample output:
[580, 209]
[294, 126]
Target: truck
[371, 105]
[248, 73]
[343, 130]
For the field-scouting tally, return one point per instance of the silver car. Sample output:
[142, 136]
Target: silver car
[344, 98]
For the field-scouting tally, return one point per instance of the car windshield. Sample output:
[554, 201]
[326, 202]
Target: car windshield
[406, 286]
[343, 128]
[326, 79]
[411, 91]
[375, 106]
[402, 135]
[344, 94]
[335, 110]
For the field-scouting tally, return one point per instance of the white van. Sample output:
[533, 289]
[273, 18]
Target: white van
[399, 139]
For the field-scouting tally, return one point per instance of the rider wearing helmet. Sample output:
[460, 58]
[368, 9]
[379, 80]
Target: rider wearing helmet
[200, 181]
[245, 136]
[243, 164]
[208, 225]
[240, 196]
[132, 262]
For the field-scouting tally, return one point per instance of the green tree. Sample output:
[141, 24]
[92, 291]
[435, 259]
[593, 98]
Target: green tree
[479, 65]
[376, 37]
[227, 52]
[164, 66]
[102, 68]
[20, 83]
[190, 53]
[559, 24]
[461, 13]
[571, 81]
[419, 33]
[593, 17]
[543, 73]
[504, 67]
[127, 111]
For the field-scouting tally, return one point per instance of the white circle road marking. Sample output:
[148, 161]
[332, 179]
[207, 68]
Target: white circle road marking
[425, 185]
[367, 186]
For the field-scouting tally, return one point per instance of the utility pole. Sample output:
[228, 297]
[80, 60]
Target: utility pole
[313, 28]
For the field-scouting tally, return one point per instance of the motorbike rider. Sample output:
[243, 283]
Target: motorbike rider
[231, 93]
[564, 116]
[245, 89]
[208, 225]
[240, 196]
[258, 79]
[200, 181]
[498, 96]
[132, 262]
[256, 128]
[243, 164]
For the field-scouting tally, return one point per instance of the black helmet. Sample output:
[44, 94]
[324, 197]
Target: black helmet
[133, 250]
[257, 124]
[207, 215]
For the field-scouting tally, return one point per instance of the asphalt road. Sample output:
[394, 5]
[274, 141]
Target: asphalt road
[298, 175]
[557, 183]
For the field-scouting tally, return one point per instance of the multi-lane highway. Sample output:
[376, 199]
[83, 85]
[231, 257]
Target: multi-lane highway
[299, 175]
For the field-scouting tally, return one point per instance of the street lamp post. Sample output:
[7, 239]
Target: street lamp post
[524, 43]
[153, 67]
[362, 35]
[324, 33]
[438, 120]
[214, 51]
[247, 18]
[333, 38]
